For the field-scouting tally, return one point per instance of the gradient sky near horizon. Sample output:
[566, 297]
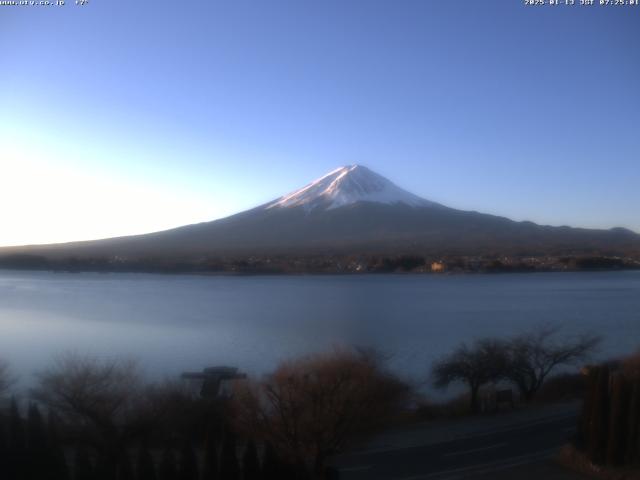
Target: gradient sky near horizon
[124, 117]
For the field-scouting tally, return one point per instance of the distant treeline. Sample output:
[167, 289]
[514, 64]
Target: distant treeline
[328, 264]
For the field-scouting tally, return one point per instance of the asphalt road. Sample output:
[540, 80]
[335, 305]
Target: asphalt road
[513, 451]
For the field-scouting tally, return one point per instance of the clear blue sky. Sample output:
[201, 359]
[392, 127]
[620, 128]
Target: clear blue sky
[130, 116]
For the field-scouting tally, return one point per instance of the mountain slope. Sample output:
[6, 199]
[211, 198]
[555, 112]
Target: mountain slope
[351, 210]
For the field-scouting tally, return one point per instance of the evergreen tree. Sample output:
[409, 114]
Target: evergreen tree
[168, 470]
[294, 472]
[632, 454]
[332, 473]
[83, 467]
[146, 467]
[598, 427]
[229, 469]
[271, 466]
[4, 447]
[57, 463]
[250, 462]
[106, 466]
[188, 462]
[275, 468]
[586, 415]
[616, 446]
[125, 469]
[37, 450]
[17, 464]
[210, 459]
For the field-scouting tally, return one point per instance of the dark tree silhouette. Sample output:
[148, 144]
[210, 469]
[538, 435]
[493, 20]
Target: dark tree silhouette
[146, 468]
[188, 462]
[17, 464]
[610, 431]
[618, 421]
[125, 469]
[210, 459]
[58, 469]
[586, 414]
[599, 417]
[37, 448]
[483, 362]
[534, 355]
[632, 453]
[168, 469]
[250, 462]
[271, 464]
[229, 469]
[83, 467]
[4, 446]
[331, 473]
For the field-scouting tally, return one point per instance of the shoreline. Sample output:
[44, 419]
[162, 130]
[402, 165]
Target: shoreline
[212, 273]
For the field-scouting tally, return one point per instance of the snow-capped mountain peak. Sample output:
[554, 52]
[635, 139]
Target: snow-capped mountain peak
[345, 186]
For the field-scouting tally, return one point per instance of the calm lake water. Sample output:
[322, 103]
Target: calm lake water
[182, 322]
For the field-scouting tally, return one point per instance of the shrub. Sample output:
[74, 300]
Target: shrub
[328, 397]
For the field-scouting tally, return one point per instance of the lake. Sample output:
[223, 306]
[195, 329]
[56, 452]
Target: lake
[173, 323]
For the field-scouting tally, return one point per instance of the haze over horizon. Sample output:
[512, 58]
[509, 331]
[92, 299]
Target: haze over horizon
[536, 120]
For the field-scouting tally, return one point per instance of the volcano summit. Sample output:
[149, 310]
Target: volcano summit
[346, 186]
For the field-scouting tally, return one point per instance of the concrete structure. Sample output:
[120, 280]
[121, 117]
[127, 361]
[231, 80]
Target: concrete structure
[215, 381]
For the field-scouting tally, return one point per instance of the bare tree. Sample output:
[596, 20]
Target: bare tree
[99, 398]
[534, 355]
[309, 408]
[90, 390]
[482, 362]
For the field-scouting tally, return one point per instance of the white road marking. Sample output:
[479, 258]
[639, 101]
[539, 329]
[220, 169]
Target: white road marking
[474, 450]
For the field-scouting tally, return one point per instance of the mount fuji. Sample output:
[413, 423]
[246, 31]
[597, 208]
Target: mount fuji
[346, 186]
[351, 210]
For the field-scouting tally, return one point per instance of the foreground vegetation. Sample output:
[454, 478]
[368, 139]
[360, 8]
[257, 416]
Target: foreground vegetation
[607, 444]
[88, 418]
[104, 422]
